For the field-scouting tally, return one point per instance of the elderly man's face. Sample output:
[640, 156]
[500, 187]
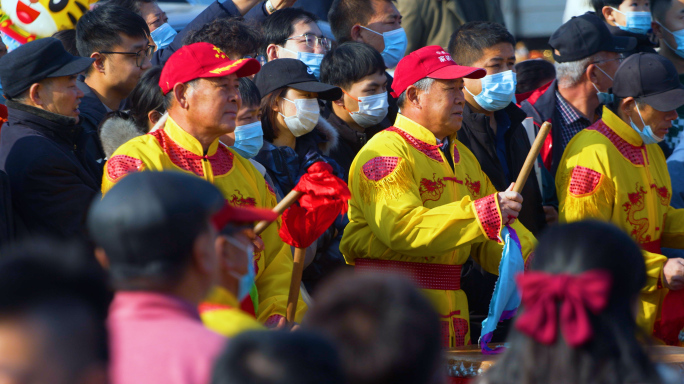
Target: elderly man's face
[443, 106]
[60, 95]
[213, 104]
[660, 122]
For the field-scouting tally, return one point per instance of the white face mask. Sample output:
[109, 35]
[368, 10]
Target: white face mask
[372, 109]
[306, 117]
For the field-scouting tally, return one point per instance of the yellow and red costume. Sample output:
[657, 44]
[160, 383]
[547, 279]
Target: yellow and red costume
[412, 212]
[171, 148]
[221, 313]
[608, 173]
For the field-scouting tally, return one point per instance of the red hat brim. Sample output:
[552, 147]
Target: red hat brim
[456, 72]
[242, 68]
[230, 214]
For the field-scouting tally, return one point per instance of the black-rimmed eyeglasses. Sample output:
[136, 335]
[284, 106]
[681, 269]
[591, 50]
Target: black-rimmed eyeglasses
[140, 56]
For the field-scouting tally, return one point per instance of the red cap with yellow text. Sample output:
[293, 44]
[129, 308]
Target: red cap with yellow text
[202, 60]
[433, 62]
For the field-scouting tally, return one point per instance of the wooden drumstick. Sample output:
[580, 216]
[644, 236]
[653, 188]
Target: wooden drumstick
[532, 157]
[279, 208]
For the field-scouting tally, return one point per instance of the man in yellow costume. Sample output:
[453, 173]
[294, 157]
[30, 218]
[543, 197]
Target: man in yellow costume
[615, 171]
[420, 203]
[202, 99]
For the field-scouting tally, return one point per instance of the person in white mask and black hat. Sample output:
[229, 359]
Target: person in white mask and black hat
[295, 136]
[361, 112]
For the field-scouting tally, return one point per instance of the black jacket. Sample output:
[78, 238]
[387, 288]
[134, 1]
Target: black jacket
[350, 140]
[53, 179]
[93, 112]
[476, 134]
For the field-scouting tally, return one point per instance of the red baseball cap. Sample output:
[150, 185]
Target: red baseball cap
[200, 60]
[433, 62]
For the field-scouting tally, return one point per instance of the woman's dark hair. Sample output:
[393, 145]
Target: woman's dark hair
[614, 354]
[145, 97]
[68, 39]
[268, 115]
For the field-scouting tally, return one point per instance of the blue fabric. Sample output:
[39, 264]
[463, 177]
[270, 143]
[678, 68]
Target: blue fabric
[503, 124]
[506, 299]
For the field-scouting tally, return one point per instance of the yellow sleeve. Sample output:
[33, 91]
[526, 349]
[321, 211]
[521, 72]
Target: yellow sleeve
[273, 283]
[673, 232]
[392, 206]
[131, 157]
[654, 270]
[585, 190]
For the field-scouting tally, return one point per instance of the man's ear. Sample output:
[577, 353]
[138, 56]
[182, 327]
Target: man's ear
[101, 257]
[590, 73]
[608, 14]
[339, 102]
[355, 34]
[181, 93]
[271, 52]
[34, 94]
[154, 116]
[627, 105]
[413, 96]
[657, 29]
[98, 64]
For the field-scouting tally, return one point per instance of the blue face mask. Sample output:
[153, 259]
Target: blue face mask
[312, 60]
[637, 22]
[163, 36]
[679, 39]
[498, 90]
[248, 139]
[646, 134]
[395, 46]
[246, 281]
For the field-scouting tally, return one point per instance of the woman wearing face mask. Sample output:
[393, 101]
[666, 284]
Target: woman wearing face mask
[615, 171]
[630, 18]
[295, 137]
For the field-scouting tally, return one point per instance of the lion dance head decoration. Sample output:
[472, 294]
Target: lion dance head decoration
[22, 21]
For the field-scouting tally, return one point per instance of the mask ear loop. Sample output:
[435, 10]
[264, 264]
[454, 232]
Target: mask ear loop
[353, 98]
[640, 117]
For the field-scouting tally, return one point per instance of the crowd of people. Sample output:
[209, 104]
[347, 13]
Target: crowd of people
[136, 159]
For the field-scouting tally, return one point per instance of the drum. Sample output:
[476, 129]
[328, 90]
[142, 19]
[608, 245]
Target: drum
[464, 363]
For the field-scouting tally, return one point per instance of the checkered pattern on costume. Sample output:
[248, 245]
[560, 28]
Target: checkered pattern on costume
[572, 122]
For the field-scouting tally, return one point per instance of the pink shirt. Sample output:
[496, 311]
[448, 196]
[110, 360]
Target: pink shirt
[158, 338]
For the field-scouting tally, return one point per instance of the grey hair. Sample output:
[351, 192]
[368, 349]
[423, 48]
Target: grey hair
[169, 97]
[423, 84]
[569, 73]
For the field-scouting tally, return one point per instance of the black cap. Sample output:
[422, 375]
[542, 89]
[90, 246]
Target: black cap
[35, 61]
[292, 73]
[650, 78]
[145, 221]
[586, 35]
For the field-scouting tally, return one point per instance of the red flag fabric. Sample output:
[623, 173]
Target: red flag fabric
[324, 198]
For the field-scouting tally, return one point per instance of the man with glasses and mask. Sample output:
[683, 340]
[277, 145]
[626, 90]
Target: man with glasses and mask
[118, 41]
[376, 23]
[587, 56]
[293, 33]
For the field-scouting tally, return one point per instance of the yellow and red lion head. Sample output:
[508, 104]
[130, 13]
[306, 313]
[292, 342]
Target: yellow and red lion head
[27, 20]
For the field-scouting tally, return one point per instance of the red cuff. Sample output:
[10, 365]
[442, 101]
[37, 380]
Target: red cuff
[489, 217]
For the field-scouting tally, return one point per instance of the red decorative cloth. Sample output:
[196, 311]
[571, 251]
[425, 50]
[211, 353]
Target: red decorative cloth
[324, 198]
[542, 292]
